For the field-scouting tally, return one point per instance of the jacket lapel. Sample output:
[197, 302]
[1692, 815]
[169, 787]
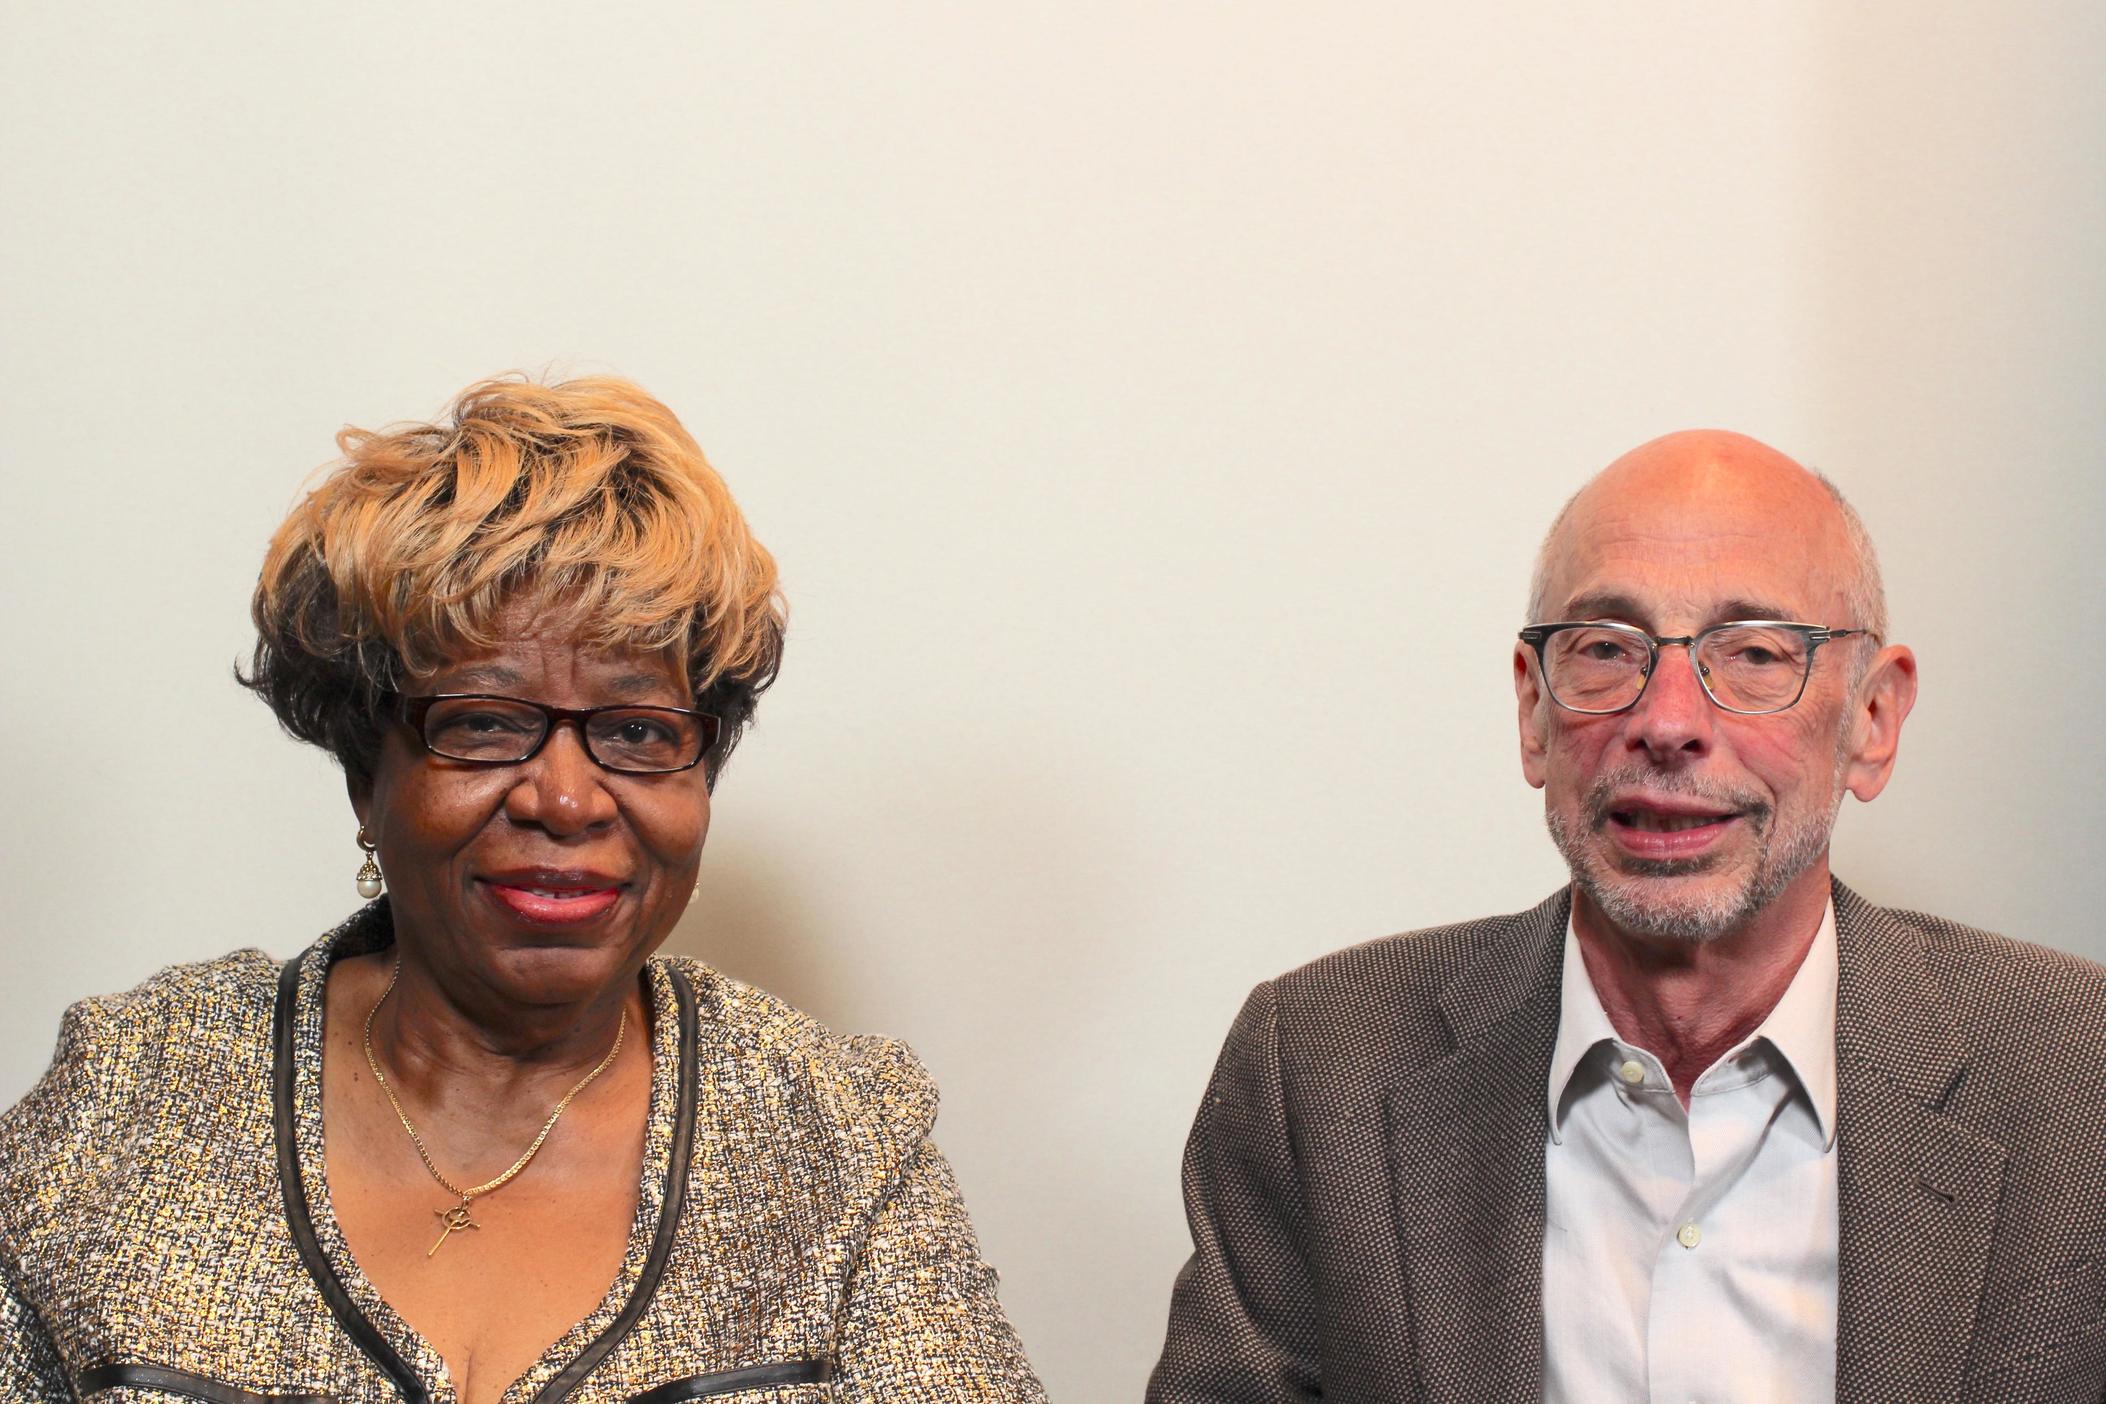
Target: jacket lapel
[1466, 1170]
[1917, 1188]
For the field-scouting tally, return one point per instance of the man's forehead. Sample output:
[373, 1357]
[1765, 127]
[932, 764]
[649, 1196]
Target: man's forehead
[1704, 526]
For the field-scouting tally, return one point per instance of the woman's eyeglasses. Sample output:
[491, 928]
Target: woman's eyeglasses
[487, 730]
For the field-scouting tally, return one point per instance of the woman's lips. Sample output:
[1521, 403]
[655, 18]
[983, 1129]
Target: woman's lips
[1653, 835]
[553, 906]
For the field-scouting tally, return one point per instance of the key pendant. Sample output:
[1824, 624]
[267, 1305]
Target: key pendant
[455, 1219]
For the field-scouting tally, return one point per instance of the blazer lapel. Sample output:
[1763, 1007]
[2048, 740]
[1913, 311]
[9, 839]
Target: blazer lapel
[1466, 1171]
[1917, 1188]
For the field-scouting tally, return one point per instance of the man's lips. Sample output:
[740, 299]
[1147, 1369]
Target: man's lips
[550, 897]
[1654, 828]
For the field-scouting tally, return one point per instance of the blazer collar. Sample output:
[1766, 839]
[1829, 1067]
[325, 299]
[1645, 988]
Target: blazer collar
[1517, 965]
[1919, 1187]
[1465, 1162]
[1891, 1014]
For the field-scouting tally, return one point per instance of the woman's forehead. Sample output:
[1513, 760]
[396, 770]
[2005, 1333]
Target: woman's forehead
[536, 655]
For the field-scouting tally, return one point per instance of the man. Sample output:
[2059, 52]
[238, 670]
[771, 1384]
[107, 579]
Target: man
[1707, 1125]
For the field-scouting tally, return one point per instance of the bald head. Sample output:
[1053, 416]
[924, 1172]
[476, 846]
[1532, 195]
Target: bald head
[1703, 496]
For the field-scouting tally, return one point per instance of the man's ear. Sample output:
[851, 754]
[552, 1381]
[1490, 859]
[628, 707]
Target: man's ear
[1880, 707]
[1535, 717]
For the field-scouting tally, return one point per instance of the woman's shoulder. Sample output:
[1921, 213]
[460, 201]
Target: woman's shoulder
[205, 996]
[116, 1051]
[862, 1079]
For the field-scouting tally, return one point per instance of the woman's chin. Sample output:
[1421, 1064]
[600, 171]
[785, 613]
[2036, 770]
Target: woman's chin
[542, 974]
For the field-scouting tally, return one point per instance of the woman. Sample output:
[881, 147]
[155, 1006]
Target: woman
[477, 1142]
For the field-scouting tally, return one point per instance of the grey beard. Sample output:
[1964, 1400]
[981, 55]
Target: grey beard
[1784, 850]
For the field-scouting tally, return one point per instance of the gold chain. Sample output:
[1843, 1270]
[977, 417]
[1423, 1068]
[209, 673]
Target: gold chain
[458, 1218]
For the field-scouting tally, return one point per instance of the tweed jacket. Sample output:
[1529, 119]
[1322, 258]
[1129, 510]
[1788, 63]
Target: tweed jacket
[166, 1229]
[1365, 1179]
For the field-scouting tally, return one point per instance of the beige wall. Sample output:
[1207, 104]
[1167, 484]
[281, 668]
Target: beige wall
[1154, 409]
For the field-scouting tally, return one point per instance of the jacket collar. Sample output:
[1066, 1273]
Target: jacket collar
[1513, 969]
[1892, 1017]
[1917, 1186]
[1465, 1161]
[1800, 1028]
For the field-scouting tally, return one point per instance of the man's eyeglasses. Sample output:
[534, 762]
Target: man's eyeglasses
[1751, 666]
[486, 730]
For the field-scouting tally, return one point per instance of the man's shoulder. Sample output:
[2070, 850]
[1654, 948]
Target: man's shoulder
[1996, 976]
[2032, 1018]
[1397, 993]
[1410, 965]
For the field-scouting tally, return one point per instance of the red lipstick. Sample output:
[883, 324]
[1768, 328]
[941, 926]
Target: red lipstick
[553, 897]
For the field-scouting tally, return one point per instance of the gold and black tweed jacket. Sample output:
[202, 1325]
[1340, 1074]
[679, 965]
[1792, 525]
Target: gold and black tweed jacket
[166, 1230]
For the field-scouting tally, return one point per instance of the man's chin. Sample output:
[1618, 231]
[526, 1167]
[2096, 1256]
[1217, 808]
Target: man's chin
[1692, 906]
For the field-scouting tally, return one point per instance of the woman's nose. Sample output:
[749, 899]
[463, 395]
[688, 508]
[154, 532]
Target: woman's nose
[561, 787]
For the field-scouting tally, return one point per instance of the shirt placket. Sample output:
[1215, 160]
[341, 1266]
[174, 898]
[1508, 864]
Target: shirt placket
[1693, 1252]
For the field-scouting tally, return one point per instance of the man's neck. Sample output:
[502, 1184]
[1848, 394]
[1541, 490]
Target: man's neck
[1690, 1002]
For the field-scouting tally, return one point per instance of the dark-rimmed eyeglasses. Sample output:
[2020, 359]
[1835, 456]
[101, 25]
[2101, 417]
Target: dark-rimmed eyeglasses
[483, 729]
[1751, 666]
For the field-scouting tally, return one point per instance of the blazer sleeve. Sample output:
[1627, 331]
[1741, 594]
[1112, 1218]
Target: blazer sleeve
[922, 1324]
[29, 1363]
[1243, 1312]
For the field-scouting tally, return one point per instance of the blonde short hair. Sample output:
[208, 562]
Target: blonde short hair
[585, 500]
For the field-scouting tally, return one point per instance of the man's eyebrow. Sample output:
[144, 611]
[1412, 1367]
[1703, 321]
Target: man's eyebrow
[1605, 606]
[1751, 609]
[1610, 605]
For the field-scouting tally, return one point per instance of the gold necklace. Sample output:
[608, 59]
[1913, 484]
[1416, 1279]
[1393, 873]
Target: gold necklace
[459, 1217]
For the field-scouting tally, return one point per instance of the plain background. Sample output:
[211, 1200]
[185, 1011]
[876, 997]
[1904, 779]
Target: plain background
[1154, 408]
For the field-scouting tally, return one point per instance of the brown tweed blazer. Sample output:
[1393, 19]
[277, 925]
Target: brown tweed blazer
[1365, 1177]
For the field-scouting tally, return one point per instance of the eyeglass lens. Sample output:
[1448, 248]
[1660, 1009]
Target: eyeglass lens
[1748, 669]
[496, 731]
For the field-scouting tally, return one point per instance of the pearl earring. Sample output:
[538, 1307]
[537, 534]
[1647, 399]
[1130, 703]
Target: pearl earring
[369, 878]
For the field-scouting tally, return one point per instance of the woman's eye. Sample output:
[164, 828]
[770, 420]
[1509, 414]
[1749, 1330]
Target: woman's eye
[482, 724]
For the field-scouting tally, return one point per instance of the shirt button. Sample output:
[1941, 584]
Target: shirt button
[1689, 1235]
[1632, 1071]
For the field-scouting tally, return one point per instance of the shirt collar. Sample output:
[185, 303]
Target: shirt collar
[1801, 1027]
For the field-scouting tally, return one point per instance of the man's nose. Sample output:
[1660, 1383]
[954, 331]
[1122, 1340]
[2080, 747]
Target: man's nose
[561, 789]
[1673, 720]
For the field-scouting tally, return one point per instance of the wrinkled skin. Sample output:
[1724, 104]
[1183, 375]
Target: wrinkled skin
[1691, 530]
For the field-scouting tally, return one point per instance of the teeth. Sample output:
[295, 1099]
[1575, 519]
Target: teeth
[1671, 823]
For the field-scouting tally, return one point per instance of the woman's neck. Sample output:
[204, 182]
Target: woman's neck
[461, 1051]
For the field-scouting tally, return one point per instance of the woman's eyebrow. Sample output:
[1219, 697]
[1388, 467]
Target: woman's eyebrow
[487, 674]
[639, 684]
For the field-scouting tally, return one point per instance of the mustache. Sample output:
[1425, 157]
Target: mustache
[1601, 794]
